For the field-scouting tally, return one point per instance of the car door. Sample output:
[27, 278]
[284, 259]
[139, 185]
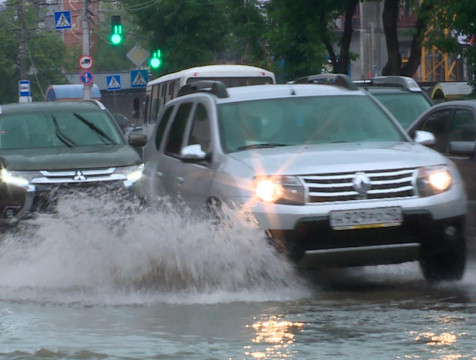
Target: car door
[169, 139]
[196, 177]
[462, 128]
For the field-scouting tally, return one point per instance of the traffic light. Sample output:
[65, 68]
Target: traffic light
[155, 60]
[116, 36]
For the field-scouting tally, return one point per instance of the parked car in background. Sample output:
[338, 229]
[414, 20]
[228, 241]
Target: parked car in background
[325, 170]
[453, 123]
[401, 95]
[51, 147]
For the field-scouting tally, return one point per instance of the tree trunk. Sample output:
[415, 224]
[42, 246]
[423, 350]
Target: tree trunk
[415, 55]
[389, 17]
[342, 66]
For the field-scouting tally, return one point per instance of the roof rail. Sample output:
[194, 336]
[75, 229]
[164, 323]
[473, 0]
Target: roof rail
[216, 88]
[327, 79]
[395, 80]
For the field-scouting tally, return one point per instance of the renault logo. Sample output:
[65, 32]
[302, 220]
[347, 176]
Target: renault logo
[79, 176]
[361, 183]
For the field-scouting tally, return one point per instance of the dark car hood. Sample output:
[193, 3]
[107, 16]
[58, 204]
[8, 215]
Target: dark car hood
[84, 157]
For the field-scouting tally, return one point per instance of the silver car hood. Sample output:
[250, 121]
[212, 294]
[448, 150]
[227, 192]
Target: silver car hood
[329, 158]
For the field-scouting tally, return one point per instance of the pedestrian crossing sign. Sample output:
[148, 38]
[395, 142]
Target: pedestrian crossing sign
[62, 20]
[138, 78]
[113, 82]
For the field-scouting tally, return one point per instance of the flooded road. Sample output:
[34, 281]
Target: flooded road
[105, 281]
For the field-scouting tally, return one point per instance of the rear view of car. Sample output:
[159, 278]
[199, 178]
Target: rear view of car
[59, 146]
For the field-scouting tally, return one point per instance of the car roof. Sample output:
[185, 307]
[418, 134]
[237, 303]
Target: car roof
[388, 90]
[254, 92]
[467, 102]
[23, 108]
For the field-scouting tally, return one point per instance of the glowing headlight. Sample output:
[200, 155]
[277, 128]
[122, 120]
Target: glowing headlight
[132, 173]
[433, 180]
[10, 178]
[280, 190]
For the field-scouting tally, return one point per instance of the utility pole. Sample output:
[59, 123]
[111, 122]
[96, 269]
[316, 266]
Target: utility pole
[22, 47]
[85, 23]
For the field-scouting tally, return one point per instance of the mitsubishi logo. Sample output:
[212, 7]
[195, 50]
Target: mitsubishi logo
[361, 184]
[79, 176]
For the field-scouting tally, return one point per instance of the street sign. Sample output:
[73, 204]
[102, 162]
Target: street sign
[138, 78]
[113, 82]
[86, 77]
[24, 88]
[62, 20]
[86, 62]
[138, 55]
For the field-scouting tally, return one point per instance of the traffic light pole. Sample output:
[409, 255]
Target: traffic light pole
[85, 23]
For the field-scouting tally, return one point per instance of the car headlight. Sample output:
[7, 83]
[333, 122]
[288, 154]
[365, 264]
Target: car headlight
[432, 180]
[131, 173]
[279, 190]
[16, 178]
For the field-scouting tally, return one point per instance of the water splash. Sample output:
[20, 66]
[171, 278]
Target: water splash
[94, 249]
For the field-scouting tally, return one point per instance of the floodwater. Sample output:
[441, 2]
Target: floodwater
[105, 280]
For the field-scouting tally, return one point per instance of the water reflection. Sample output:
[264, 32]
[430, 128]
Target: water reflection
[276, 336]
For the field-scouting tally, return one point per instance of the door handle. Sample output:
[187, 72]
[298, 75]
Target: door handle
[159, 173]
[180, 179]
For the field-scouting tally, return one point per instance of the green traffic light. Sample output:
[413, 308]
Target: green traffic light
[116, 34]
[155, 61]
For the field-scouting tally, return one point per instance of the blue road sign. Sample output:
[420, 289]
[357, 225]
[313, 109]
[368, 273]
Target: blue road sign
[24, 88]
[86, 77]
[113, 82]
[138, 78]
[62, 20]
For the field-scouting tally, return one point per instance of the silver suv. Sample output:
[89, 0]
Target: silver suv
[325, 170]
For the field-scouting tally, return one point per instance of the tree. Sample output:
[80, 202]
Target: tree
[43, 68]
[394, 66]
[295, 38]
[188, 32]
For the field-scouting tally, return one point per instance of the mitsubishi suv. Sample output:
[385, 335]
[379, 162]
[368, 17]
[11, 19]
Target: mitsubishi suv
[55, 147]
[324, 169]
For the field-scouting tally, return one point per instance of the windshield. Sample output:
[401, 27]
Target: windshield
[58, 129]
[405, 107]
[304, 120]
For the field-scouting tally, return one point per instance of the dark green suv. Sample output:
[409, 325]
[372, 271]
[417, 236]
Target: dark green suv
[401, 95]
[51, 146]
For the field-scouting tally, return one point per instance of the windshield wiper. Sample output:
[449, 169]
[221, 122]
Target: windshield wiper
[95, 128]
[63, 138]
[260, 146]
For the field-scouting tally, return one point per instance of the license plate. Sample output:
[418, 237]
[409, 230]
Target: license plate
[366, 218]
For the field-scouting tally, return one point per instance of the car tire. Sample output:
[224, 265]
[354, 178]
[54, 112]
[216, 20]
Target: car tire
[448, 264]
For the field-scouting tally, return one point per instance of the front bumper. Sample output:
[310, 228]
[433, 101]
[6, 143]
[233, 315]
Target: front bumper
[15, 202]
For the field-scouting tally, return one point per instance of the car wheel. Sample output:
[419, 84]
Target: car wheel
[214, 211]
[446, 265]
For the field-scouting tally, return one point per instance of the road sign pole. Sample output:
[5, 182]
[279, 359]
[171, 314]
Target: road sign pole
[86, 87]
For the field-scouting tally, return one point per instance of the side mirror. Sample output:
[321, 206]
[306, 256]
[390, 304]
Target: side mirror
[137, 139]
[424, 137]
[193, 153]
[462, 148]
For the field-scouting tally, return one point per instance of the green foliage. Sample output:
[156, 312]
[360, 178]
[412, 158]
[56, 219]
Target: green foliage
[45, 55]
[294, 38]
[189, 32]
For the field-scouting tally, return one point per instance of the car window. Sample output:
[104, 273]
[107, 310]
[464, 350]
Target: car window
[177, 130]
[405, 107]
[463, 126]
[200, 132]
[161, 127]
[436, 123]
[58, 129]
[304, 120]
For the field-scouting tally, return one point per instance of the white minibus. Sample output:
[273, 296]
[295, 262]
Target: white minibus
[165, 88]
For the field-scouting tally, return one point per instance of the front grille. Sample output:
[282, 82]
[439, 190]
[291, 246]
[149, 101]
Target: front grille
[384, 184]
[77, 176]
